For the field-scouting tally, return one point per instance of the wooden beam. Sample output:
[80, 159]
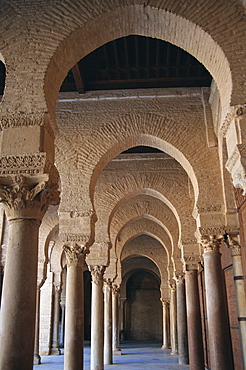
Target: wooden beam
[78, 79]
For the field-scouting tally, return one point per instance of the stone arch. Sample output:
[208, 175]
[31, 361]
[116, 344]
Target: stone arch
[149, 21]
[145, 205]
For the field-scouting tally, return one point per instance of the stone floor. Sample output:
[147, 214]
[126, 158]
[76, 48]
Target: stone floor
[134, 355]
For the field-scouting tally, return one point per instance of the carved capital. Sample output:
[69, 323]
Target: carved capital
[191, 262]
[235, 111]
[232, 241]
[75, 254]
[97, 274]
[115, 289]
[27, 196]
[165, 302]
[212, 243]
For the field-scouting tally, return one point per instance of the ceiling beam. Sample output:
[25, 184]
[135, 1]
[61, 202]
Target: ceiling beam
[78, 79]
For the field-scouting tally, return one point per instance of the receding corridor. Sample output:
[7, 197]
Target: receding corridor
[135, 355]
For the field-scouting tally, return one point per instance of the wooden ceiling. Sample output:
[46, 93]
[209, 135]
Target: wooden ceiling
[133, 62]
[136, 62]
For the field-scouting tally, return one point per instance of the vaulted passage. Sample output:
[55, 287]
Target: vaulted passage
[122, 184]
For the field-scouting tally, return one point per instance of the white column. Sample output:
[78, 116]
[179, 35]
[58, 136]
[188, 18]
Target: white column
[115, 319]
[56, 313]
[108, 353]
[97, 322]
[165, 316]
[37, 358]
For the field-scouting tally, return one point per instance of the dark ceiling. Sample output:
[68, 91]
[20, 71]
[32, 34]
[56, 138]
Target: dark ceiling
[133, 62]
[136, 62]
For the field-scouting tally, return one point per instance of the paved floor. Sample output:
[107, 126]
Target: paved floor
[134, 355]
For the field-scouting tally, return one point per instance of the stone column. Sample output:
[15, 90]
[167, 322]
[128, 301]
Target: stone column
[182, 322]
[56, 314]
[63, 310]
[236, 253]
[115, 319]
[97, 322]
[194, 324]
[165, 319]
[173, 320]
[216, 304]
[108, 355]
[74, 317]
[37, 358]
[26, 200]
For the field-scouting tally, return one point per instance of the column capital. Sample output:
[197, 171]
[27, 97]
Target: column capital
[232, 241]
[212, 243]
[165, 302]
[75, 254]
[191, 262]
[27, 197]
[115, 289]
[179, 278]
[97, 273]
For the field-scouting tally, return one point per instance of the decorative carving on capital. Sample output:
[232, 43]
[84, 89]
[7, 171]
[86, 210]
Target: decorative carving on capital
[75, 238]
[235, 111]
[115, 289]
[179, 278]
[165, 302]
[97, 274]
[212, 243]
[75, 254]
[232, 241]
[191, 262]
[27, 197]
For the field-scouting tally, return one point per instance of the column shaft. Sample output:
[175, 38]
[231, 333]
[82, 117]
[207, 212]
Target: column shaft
[182, 323]
[97, 322]
[56, 313]
[37, 358]
[74, 318]
[19, 296]
[165, 316]
[108, 358]
[173, 322]
[115, 320]
[218, 323]
[196, 355]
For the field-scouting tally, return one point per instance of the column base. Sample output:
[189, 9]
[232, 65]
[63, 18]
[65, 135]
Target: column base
[174, 353]
[117, 351]
[165, 347]
[55, 351]
[36, 359]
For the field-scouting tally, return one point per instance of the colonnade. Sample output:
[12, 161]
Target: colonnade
[181, 320]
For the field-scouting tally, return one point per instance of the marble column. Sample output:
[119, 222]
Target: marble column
[216, 304]
[97, 318]
[56, 314]
[182, 322]
[173, 320]
[165, 326]
[236, 253]
[194, 324]
[115, 320]
[74, 317]
[62, 327]
[108, 354]
[37, 358]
